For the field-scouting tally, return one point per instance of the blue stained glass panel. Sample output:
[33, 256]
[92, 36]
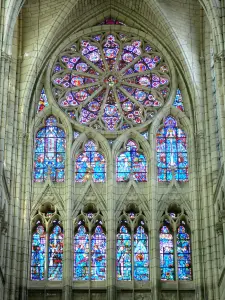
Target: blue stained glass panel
[141, 256]
[38, 254]
[123, 254]
[55, 254]
[50, 146]
[131, 161]
[90, 161]
[43, 101]
[166, 254]
[184, 254]
[81, 254]
[98, 255]
[171, 147]
[178, 101]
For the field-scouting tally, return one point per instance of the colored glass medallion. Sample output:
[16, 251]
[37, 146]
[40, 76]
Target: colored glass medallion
[171, 152]
[131, 163]
[38, 253]
[49, 157]
[43, 101]
[111, 82]
[55, 254]
[90, 162]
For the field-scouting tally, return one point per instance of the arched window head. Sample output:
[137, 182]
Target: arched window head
[141, 256]
[184, 253]
[172, 152]
[110, 21]
[111, 82]
[90, 162]
[166, 254]
[55, 252]
[50, 147]
[131, 163]
[124, 254]
[43, 101]
[81, 254]
[98, 254]
[38, 255]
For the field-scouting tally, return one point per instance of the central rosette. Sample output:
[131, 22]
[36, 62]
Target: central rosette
[111, 80]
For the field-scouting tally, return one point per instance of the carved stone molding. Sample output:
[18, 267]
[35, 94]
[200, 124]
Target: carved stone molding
[5, 228]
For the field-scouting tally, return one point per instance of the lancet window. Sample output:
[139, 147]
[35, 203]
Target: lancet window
[90, 162]
[132, 248]
[131, 162]
[47, 245]
[50, 152]
[90, 247]
[171, 148]
[175, 248]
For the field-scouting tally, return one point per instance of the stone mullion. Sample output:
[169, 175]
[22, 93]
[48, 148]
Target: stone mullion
[154, 229]
[68, 225]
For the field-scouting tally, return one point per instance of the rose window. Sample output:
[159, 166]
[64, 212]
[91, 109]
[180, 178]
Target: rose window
[111, 81]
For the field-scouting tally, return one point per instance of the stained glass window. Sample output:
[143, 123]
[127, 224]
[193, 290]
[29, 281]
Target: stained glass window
[141, 257]
[131, 162]
[98, 254]
[178, 101]
[55, 253]
[166, 254]
[90, 162]
[38, 253]
[111, 82]
[184, 254]
[43, 101]
[172, 152]
[49, 157]
[81, 254]
[124, 254]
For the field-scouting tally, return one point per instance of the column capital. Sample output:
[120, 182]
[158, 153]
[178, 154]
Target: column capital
[5, 226]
